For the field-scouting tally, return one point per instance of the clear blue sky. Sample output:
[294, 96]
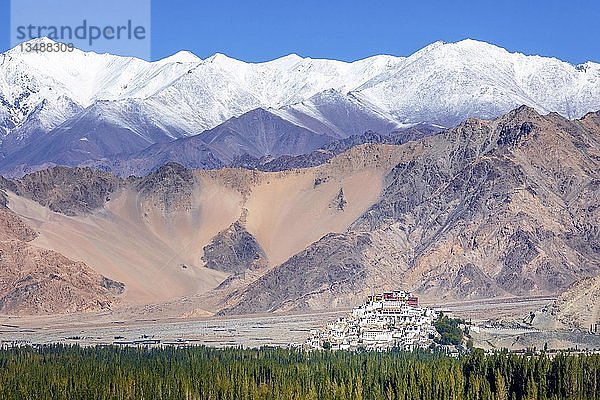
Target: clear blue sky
[349, 29]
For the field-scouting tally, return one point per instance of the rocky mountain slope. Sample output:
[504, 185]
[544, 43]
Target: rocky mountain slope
[491, 208]
[330, 150]
[97, 109]
[578, 307]
[179, 233]
[244, 141]
[35, 280]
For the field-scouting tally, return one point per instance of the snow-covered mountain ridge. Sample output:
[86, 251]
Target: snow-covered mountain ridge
[122, 103]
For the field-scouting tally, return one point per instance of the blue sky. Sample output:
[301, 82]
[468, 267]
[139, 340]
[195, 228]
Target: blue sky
[349, 29]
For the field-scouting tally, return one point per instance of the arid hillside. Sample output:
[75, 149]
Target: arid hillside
[488, 209]
[180, 233]
[35, 280]
[508, 207]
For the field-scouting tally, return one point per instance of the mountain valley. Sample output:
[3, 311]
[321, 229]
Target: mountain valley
[488, 209]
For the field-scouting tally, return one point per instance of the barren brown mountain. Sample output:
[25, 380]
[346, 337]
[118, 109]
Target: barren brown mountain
[40, 281]
[499, 208]
[490, 208]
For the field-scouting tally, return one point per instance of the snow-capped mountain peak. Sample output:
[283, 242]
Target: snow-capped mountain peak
[222, 59]
[182, 95]
[182, 56]
[444, 83]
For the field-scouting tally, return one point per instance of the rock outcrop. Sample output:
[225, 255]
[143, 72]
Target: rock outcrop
[234, 250]
[69, 191]
[169, 188]
[328, 273]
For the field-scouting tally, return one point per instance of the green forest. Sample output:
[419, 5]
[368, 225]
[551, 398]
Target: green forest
[65, 372]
